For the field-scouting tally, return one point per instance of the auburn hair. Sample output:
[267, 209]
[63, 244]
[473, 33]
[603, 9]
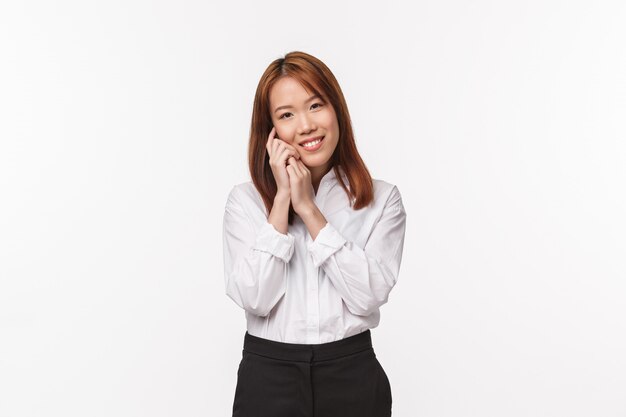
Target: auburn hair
[314, 76]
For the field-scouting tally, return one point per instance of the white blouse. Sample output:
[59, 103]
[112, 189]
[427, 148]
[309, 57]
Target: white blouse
[298, 290]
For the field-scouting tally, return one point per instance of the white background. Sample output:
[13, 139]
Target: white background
[124, 124]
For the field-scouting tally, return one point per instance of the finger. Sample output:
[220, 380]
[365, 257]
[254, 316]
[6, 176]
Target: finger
[304, 168]
[293, 148]
[276, 145]
[290, 147]
[285, 154]
[296, 166]
[275, 142]
[288, 152]
[270, 136]
[305, 173]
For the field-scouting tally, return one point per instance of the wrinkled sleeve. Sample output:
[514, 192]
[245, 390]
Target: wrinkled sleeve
[365, 276]
[255, 259]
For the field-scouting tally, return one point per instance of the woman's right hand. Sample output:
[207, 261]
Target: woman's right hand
[279, 152]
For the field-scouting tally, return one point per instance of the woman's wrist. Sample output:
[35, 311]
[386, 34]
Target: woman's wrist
[282, 196]
[280, 211]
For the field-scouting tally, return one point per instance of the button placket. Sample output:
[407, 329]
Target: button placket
[312, 297]
[312, 282]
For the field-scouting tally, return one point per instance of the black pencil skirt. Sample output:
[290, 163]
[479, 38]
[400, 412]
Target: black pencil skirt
[335, 379]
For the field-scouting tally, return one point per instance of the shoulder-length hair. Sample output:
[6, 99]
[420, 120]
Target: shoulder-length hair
[314, 76]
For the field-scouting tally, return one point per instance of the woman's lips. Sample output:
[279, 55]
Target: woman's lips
[315, 147]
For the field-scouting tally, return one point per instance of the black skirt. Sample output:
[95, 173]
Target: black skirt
[335, 379]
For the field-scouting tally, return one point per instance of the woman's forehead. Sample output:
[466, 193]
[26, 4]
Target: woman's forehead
[291, 92]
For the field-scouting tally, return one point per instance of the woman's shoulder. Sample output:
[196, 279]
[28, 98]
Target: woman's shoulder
[246, 195]
[385, 190]
[240, 190]
[381, 185]
[247, 189]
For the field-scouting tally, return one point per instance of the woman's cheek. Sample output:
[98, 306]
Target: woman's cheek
[328, 117]
[280, 134]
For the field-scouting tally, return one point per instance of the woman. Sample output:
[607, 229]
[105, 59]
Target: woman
[312, 248]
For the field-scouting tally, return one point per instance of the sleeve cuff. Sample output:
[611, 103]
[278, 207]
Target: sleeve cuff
[327, 242]
[272, 241]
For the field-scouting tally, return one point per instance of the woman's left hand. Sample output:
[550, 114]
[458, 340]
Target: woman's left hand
[301, 188]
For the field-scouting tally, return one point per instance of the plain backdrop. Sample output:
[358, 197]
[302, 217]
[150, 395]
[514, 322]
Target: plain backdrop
[124, 125]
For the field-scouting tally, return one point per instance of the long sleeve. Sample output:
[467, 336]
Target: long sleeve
[255, 259]
[365, 276]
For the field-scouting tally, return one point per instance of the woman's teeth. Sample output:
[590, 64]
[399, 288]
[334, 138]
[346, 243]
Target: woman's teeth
[311, 144]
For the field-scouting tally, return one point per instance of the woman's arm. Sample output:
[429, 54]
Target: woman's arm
[365, 276]
[255, 261]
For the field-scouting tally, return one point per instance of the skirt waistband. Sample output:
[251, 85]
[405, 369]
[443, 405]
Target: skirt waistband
[308, 352]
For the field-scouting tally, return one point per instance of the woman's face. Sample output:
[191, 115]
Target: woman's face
[299, 117]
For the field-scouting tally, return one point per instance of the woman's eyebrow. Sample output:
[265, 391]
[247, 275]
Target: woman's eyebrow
[314, 96]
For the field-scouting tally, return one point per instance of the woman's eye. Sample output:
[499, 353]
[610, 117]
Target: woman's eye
[284, 114]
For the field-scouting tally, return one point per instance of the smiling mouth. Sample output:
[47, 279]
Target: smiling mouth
[316, 142]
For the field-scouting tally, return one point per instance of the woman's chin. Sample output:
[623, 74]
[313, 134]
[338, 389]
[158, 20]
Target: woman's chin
[314, 161]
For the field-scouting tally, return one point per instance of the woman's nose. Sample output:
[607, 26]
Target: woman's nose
[306, 125]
